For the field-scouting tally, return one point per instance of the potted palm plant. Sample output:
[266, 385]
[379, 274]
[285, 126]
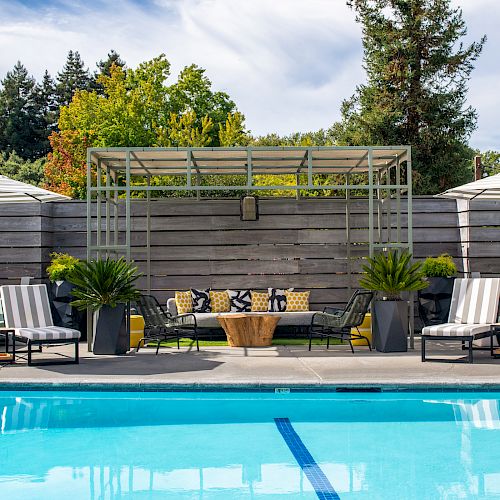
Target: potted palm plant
[390, 274]
[434, 302]
[106, 287]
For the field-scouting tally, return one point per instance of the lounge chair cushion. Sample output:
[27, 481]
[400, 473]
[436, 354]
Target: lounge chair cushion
[456, 329]
[48, 333]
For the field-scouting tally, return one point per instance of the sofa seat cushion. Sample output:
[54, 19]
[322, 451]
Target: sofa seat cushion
[48, 333]
[299, 318]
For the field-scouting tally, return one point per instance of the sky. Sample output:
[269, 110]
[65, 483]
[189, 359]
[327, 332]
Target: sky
[287, 64]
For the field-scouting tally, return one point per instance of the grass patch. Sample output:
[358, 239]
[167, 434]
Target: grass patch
[214, 343]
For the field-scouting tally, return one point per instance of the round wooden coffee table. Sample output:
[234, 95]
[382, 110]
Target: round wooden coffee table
[249, 330]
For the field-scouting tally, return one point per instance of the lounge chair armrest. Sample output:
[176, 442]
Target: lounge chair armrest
[333, 310]
[325, 320]
[187, 319]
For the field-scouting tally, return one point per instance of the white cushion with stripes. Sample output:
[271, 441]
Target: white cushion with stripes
[474, 308]
[48, 333]
[456, 329]
[27, 310]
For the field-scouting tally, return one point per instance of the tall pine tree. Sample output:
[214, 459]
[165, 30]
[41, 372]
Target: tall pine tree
[23, 127]
[417, 70]
[73, 77]
[104, 69]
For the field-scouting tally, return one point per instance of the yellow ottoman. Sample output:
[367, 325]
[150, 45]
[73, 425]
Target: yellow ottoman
[365, 329]
[136, 329]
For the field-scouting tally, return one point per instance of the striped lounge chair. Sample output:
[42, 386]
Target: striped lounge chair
[473, 312]
[28, 319]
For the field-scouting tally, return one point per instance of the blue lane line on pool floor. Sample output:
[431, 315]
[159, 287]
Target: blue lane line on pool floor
[312, 470]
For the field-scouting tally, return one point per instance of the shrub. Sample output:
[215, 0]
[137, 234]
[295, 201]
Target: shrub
[103, 283]
[392, 273]
[442, 266]
[61, 265]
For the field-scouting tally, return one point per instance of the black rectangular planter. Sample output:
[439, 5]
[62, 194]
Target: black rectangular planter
[390, 325]
[111, 336]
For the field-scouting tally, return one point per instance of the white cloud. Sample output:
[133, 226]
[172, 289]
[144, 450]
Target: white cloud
[287, 63]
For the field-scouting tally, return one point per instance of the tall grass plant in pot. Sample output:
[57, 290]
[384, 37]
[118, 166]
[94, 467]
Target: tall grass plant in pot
[434, 302]
[390, 274]
[106, 287]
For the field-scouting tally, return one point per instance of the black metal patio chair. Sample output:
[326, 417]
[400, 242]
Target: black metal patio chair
[338, 323]
[160, 325]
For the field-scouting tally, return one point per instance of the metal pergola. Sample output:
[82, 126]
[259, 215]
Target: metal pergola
[383, 174]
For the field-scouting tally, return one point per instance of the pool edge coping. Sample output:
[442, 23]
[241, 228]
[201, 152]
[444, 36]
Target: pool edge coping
[127, 386]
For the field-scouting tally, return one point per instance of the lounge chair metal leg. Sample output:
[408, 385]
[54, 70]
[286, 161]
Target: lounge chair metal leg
[197, 343]
[423, 349]
[29, 352]
[328, 342]
[471, 360]
[77, 353]
[352, 348]
[178, 341]
[310, 338]
[158, 346]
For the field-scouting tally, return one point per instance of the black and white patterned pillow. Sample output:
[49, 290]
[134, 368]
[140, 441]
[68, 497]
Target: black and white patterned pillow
[201, 300]
[277, 299]
[240, 300]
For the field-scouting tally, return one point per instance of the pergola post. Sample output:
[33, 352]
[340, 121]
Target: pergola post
[90, 327]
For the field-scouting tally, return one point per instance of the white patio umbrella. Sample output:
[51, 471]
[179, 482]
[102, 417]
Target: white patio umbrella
[487, 188]
[483, 189]
[12, 191]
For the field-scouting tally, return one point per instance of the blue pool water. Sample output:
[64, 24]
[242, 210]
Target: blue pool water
[83, 445]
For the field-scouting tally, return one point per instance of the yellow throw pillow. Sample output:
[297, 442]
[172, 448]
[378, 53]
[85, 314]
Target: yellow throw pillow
[297, 301]
[259, 301]
[220, 301]
[183, 302]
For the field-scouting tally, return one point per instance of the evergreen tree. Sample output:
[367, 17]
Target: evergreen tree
[22, 122]
[47, 99]
[417, 70]
[73, 77]
[104, 66]
[104, 69]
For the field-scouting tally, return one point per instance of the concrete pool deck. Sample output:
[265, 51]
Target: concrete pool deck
[277, 366]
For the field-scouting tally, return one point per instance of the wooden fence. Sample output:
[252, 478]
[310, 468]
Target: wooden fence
[296, 243]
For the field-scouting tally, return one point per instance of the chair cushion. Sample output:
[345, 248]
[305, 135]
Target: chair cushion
[456, 329]
[219, 301]
[241, 300]
[297, 301]
[474, 300]
[201, 300]
[259, 301]
[183, 302]
[48, 333]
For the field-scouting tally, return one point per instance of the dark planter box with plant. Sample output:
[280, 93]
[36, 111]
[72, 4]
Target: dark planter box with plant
[106, 287]
[390, 274]
[63, 313]
[434, 302]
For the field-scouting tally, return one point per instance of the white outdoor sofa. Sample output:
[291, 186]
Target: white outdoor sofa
[209, 320]
[473, 314]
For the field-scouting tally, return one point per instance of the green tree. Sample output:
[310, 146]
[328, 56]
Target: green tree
[74, 76]
[193, 92]
[137, 108]
[491, 162]
[31, 172]
[23, 127]
[418, 69]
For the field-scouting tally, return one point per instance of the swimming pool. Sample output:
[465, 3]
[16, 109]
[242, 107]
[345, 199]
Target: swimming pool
[213, 445]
